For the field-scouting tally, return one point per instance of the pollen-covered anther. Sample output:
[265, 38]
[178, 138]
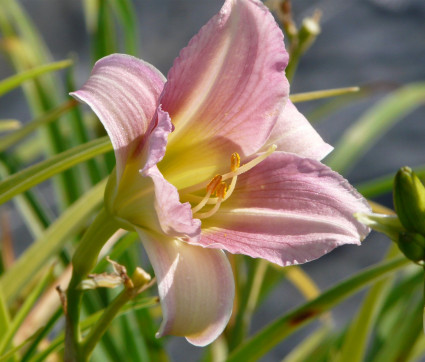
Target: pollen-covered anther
[221, 190]
[220, 193]
[249, 165]
[212, 186]
[214, 183]
[235, 161]
[219, 187]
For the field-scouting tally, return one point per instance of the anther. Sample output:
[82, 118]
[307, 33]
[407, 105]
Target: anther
[221, 190]
[213, 184]
[235, 161]
[247, 166]
[221, 193]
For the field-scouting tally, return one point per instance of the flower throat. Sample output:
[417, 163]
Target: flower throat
[217, 190]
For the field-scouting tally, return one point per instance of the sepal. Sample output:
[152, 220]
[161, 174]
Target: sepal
[387, 224]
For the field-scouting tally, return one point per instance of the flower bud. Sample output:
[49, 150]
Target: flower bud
[412, 245]
[310, 29]
[409, 200]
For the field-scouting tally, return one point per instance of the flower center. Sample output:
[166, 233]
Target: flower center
[217, 190]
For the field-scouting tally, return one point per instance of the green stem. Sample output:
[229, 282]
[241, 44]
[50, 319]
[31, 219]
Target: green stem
[103, 323]
[83, 261]
[294, 59]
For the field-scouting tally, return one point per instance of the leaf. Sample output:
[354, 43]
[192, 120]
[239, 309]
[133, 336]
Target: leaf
[23, 311]
[58, 342]
[326, 93]
[4, 315]
[356, 339]
[383, 184]
[392, 315]
[361, 136]
[12, 138]
[404, 334]
[127, 19]
[25, 48]
[282, 327]
[6, 85]
[31, 176]
[305, 351]
[32, 211]
[9, 125]
[51, 242]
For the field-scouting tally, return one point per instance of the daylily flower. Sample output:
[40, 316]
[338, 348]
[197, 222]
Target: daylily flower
[217, 158]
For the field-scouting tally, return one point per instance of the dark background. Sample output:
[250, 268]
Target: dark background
[362, 43]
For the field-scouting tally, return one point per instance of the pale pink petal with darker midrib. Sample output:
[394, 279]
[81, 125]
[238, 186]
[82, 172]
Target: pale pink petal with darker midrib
[145, 199]
[228, 86]
[293, 133]
[196, 288]
[123, 91]
[175, 218]
[287, 210]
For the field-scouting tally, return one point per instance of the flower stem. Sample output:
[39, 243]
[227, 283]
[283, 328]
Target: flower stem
[139, 282]
[83, 261]
[103, 323]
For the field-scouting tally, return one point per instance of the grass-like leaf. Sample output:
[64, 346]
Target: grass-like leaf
[4, 315]
[360, 137]
[326, 93]
[14, 137]
[282, 327]
[34, 214]
[306, 350]
[25, 49]
[25, 308]
[9, 125]
[383, 184]
[51, 242]
[58, 342]
[6, 85]
[360, 329]
[126, 17]
[31, 176]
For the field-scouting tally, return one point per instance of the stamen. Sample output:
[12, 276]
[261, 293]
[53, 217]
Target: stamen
[221, 193]
[214, 183]
[211, 187]
[231, 188]
[235, 161]
[250, 164]
[221, 190]
[219, 187]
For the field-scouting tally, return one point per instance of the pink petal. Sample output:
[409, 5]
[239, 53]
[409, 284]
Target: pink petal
[147, 201]
[287, 210]
[156, 141]
[174, 217]
[195, 285]
[228, 86]
[123, 91]
[293, 133]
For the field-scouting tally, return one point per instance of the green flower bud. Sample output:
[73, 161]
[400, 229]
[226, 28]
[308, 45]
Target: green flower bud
[310, 29]
[412, 245]
[409, 200]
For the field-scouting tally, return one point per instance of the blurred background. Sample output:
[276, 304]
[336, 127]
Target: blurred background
[378, 44]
